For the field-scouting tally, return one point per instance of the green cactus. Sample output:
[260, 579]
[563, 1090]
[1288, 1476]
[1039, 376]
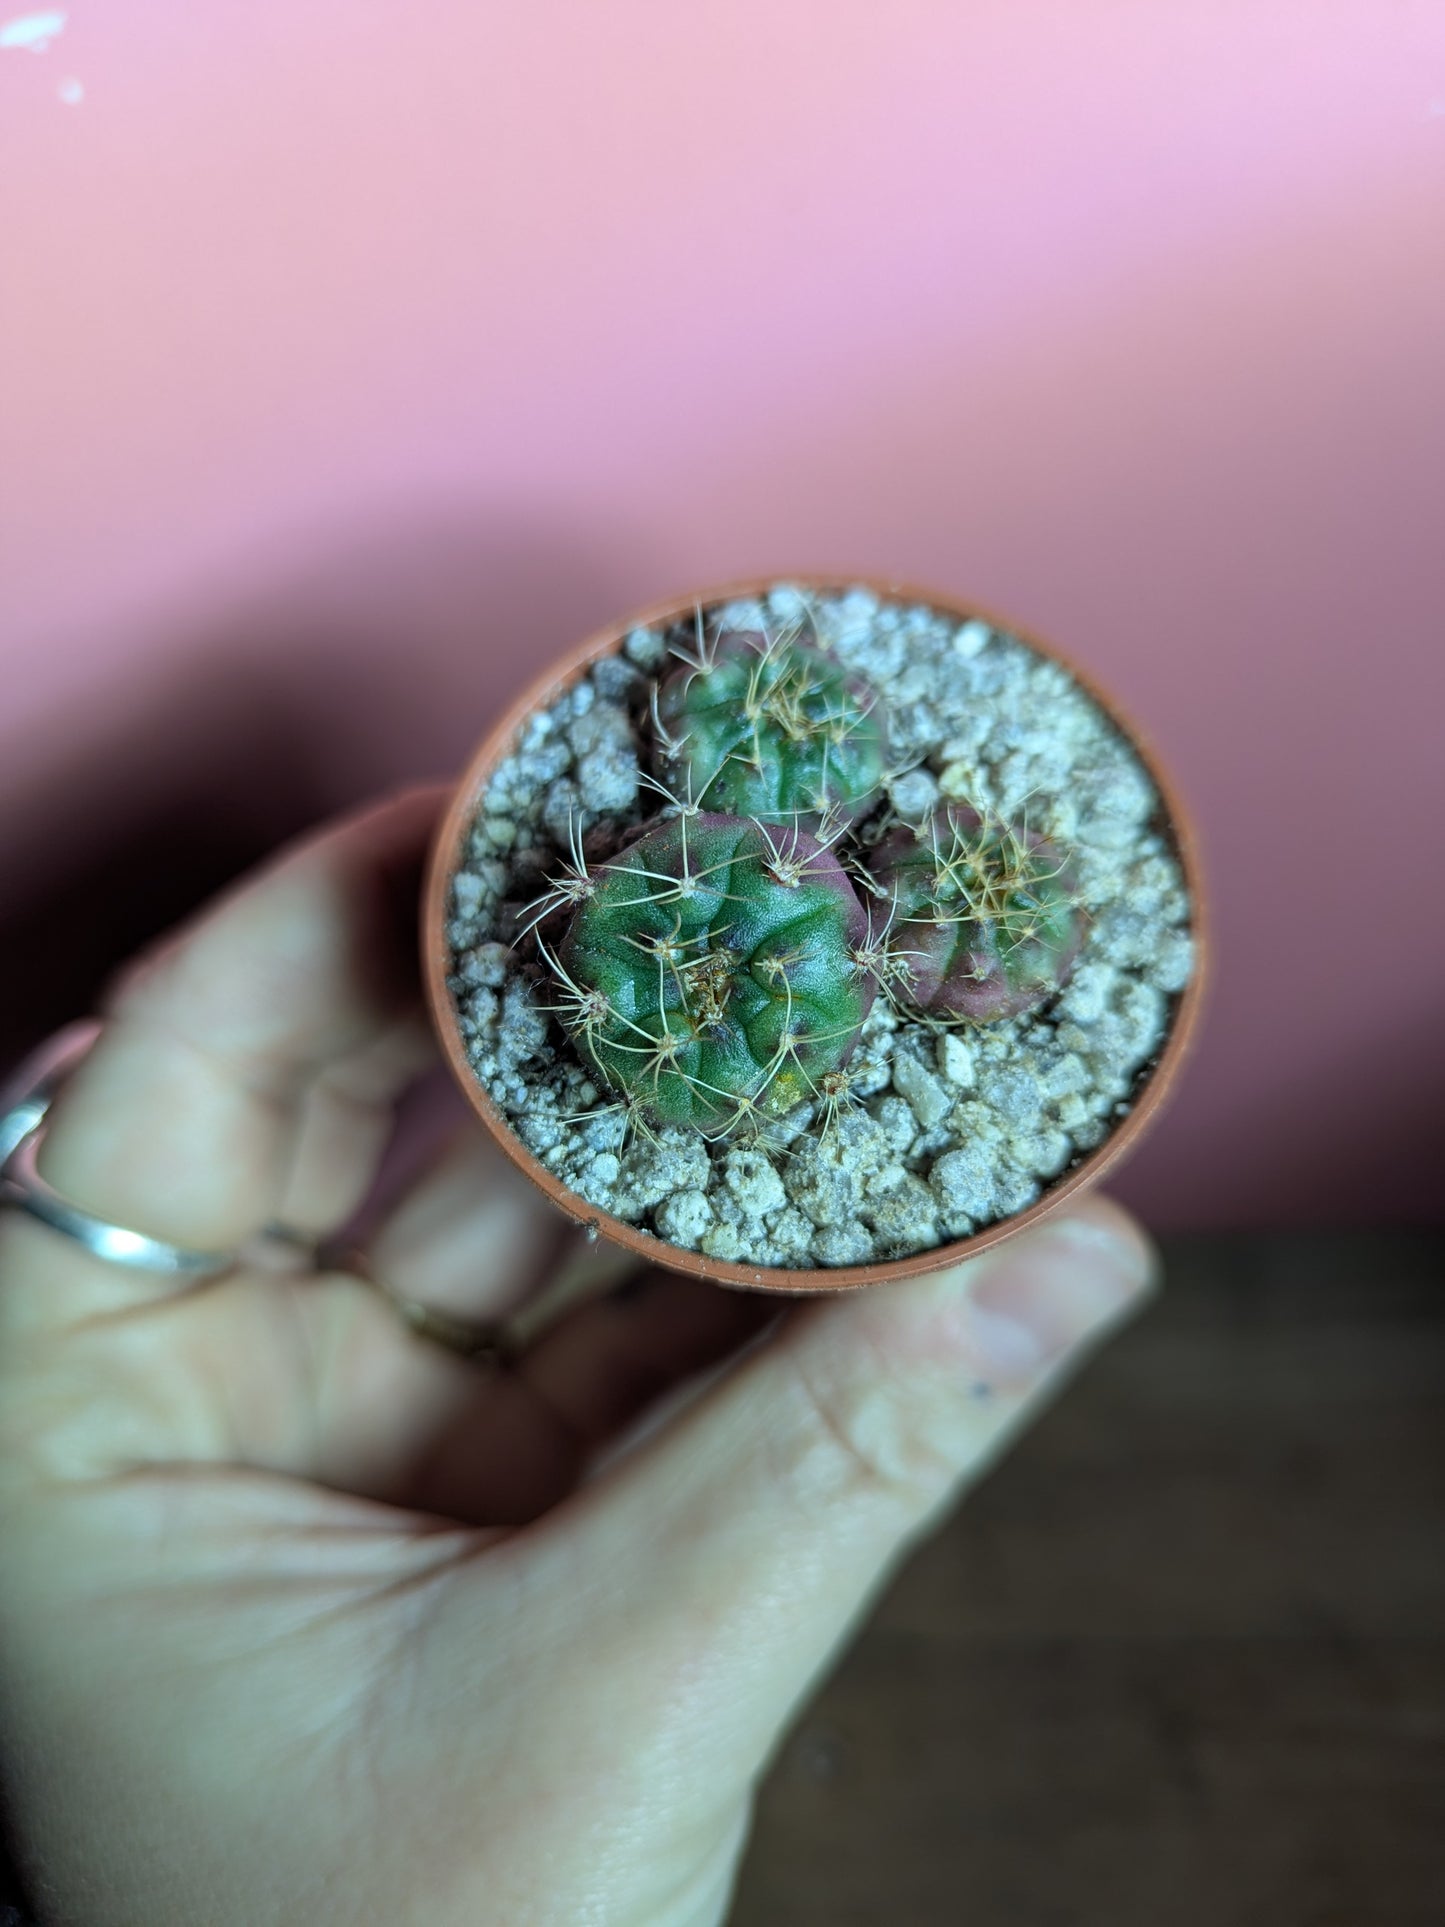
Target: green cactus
[985, 919]
[764, 726]
[708, 972]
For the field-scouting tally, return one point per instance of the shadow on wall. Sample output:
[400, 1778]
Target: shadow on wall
[1375, 1162]
[379, 662]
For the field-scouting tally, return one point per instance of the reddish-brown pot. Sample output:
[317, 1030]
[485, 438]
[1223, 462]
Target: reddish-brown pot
[447, 849]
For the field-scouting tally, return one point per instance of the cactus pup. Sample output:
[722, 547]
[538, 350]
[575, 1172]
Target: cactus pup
[986, 918]
[707, 972]
[764, 726]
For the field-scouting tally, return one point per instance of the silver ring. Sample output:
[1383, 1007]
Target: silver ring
[22, 1129]
[24, 1103]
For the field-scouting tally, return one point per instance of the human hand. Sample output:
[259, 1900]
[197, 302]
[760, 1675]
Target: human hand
[305, 1618]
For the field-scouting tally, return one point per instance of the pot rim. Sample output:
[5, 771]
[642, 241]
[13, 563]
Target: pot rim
[1159, 1079]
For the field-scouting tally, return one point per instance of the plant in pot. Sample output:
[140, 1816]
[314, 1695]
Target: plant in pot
[806, 934]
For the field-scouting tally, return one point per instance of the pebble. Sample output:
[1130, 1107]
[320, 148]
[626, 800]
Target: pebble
[971, 636]
[913, 794]
[607, 780]
[645, 648]
[615, 678]
[486, 964]
[964, 1184]
[604, 1169]
[676, 1162]
[1043, 1155]
[1087, 992]
[822, 1190]
[955, 1061]
[792, 1234]
[894, 1116]
[753, 1182]
[843, 1244]
[467, 892]
[925, 1094]
[905, 1216]
[684, 1217]
[725, 1241]
[561, 809]
[1013, 1093]
[1172, 964]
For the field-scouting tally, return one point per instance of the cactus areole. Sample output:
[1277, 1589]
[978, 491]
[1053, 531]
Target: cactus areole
[708, 973]
[987, 922]
[765, 727]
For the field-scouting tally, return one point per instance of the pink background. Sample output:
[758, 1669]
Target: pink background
[357, 357]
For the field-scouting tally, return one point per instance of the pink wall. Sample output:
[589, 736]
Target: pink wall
[357, 356]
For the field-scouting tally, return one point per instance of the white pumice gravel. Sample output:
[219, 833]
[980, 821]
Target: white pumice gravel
[948, 1130]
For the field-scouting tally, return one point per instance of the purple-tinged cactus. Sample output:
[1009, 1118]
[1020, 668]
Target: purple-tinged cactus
[767, 727]
[708, 973]
[985, 919]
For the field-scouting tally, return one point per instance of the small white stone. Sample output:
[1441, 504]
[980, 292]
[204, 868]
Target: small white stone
[914, 794]
[468, 892]
[684, 1218]
[644, 647]
[607, 780]
[753, 1182]
[955, 1061]
[1173, 961]
[723, 1241]
[486, 964]
[1087, 993]
[788, 602]
[792, 1234]
[905, 1216]
[922, 1089]
[964, 1183]
[1044, 1154]
[971, 636]
[843, 1244]
[896, 1121]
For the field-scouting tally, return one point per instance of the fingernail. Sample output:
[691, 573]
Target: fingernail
[1046, 1293]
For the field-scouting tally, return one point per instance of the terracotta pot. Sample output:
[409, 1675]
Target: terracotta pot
[1152, 1086]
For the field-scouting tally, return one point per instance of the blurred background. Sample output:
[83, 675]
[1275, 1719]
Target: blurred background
[358, 357]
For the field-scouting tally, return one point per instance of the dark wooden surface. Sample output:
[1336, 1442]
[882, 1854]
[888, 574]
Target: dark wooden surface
[1181, 1661]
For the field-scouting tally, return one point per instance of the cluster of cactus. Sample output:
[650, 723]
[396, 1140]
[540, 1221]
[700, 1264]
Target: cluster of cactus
[717, 969]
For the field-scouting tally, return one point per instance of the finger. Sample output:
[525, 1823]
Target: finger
[312, 1375]
[729, 1555]
[409, 1422]
[609, 1361]
[184, 1119]
[345, 1124]
[404, 1420]
[472, 1237]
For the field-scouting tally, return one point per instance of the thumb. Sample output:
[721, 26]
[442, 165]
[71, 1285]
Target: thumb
[741, 1541]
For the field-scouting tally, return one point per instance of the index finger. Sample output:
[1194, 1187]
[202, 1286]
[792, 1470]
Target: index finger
[183, 1119]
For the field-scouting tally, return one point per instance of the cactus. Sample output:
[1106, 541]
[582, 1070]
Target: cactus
[984, 920]
[707, 972]
[764, 726]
